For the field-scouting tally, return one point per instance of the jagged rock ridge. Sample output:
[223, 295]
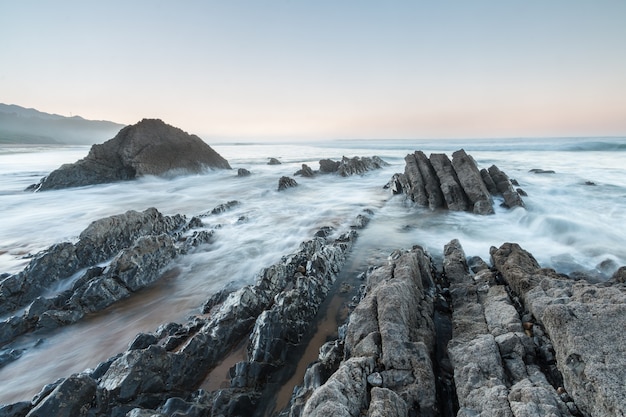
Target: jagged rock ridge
[150, 147]
[457, 184]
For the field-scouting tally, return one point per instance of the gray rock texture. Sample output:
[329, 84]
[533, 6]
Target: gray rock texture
[137, 247]
[286, 182]
[585, 324]
[458, 185]
[150, 147]
[388, 343]
[495, 369]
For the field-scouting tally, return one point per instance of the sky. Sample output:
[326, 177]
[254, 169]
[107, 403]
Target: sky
[321, 69]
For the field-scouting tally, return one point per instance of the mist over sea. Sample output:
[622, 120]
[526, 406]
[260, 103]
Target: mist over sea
[574, 221]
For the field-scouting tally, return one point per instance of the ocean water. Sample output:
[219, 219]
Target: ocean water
[574, 221]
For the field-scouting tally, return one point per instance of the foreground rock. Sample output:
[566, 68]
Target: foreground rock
[160, 373]
[519, 341]
[585, 325]
[149, 147]
[137, 246]
[525, 342]
[389, 342]
[457, 184]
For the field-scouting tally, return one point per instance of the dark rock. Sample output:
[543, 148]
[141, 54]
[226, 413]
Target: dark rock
[450, 187]
[286, 182]
[413, 184]
[69, 399]
[542, 171]
[225, 207]
[620, 275]
[432, 187]
[274, 161]
[456, 185]
[489, 182]
[590, 183]
[505, 188]
[306, 171]
[149, 147]
[328, 166]
[357, 165]
[242, 172]
[15, 410]
[144, 243]
[472, 182]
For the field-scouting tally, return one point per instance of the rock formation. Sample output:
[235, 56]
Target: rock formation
[457, 184]
[138, 246]
[455, 338]
[286, 182]
[346, 167]
[163, 369]
[149, 147]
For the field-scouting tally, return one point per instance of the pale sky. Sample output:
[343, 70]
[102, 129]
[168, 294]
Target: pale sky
[324, 69]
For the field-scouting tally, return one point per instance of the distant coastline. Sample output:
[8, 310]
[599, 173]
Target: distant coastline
[23, 126]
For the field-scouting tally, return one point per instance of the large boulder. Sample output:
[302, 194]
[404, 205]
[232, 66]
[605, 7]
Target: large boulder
[150, 147]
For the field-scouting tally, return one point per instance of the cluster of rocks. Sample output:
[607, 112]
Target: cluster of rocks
[161, 371]
[346, 167]
[457, 184]
[525, 341]
[113, 258]
[150, 147]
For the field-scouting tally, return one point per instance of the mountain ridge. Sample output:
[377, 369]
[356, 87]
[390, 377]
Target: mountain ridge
[21, 125]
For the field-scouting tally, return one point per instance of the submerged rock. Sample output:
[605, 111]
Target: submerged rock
[274, 161]
[150, 147]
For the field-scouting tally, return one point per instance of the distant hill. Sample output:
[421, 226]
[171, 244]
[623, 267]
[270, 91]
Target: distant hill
[19, 125]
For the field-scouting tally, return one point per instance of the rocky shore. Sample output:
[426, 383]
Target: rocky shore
[454, 335]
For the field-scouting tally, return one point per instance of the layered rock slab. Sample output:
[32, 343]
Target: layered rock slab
[457, 184]
[389, 341]
[495, 369]
[150, 147]
[585, 323]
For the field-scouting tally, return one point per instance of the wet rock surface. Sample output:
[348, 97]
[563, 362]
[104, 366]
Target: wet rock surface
[453, 337]
[160, 372]
[457, 184]
[286, 182]
[150, 147]
[113, 258]
[345, 167]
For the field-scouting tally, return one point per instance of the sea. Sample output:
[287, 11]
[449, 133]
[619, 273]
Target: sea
[574, 221]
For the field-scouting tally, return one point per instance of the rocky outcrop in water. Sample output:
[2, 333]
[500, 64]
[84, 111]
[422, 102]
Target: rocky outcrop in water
[286, 182]
[457, 184]
[113, 258]
[346, 167]
[150, 147]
